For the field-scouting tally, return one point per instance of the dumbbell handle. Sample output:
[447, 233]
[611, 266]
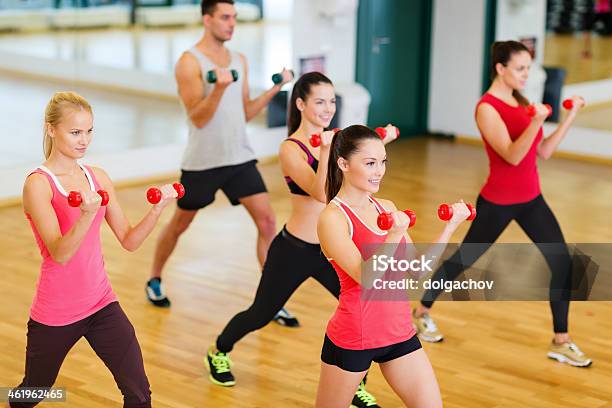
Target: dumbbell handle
[278, 77]
[211, 76]
[445, 212]
[382, 132]
[75, 199]
[385, 220]
[531, 110]
[315, 138]
[154, 194]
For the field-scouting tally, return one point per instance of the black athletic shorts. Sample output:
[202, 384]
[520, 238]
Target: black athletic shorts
[360, 360]
[237, 181]
[592, 18]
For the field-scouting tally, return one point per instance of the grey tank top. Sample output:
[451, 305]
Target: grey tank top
[223, 140]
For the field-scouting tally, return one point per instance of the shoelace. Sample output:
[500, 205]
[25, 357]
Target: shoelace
[221, 362]
[365, 396]
[431, 326]
[575, 349]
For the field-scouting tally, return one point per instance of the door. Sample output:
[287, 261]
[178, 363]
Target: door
[393, 49]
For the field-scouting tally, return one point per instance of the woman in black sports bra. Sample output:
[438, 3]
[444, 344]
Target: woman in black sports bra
[295, 254]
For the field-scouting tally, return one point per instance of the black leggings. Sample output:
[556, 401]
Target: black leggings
[540, 225]
[289, 263]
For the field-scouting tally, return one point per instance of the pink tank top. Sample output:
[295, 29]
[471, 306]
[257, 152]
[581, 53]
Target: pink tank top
[68, 293]
[508, 184]
[602, 6]
[358, 323]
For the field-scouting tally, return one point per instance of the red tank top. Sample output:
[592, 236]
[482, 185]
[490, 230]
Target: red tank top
[358, 323]
[508, 184]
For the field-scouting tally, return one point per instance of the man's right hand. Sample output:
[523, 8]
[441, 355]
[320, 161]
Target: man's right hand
[224, 77]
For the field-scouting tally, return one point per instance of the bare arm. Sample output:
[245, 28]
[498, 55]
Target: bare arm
[294, 166]
[496, 134]
[200, 108]
[252, 107]
[131, 237]
[549, 145]
[37, 204]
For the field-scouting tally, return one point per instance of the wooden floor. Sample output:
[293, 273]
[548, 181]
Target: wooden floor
[494, 354]
[566, 51]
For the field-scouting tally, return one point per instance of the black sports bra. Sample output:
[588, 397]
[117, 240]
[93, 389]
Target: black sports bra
[314, 164]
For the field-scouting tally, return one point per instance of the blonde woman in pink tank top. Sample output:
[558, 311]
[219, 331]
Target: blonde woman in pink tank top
[74, 297]
[364, 328]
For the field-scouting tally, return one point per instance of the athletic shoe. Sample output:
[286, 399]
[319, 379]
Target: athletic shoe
[569, 353]
[219, 365]
[155, 293]
[426, 328]
[363, 399]
[284, 318]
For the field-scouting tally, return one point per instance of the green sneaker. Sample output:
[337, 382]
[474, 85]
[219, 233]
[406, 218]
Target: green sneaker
[363, 399]
[219, 365]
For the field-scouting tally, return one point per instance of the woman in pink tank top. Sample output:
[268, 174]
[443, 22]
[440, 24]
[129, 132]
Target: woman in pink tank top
[74, 297]
[368, 328]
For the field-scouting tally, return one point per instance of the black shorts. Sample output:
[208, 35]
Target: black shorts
[360, 360]
[237, 181]
[592, 18]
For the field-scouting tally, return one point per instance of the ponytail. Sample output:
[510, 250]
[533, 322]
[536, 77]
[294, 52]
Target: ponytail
[345, 143]
[54, 112]
[301, 90]
[501, 52]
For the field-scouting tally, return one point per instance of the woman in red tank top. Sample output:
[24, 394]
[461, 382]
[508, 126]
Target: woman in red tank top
[365, 329]
[513, 141]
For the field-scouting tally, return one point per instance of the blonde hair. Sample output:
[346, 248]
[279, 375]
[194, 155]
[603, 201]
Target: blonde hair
[55, 110]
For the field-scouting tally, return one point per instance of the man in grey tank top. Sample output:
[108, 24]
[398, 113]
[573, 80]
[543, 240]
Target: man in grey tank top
[218, 154]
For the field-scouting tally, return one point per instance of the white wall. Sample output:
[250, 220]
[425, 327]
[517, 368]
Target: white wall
[277, 10]
[334, 37]
[456, 65]
[520, 19]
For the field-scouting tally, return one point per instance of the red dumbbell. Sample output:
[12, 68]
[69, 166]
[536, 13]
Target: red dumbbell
[315, 138]
[531, 110]
[445, 212]
[154, 194]
[568, 103]
[385, 220]
[75, 199]
[382, 132]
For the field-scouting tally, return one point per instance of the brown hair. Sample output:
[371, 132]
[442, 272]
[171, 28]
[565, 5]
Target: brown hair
[344, 144]
[209, 6]
[501, 53]
[301, 90]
